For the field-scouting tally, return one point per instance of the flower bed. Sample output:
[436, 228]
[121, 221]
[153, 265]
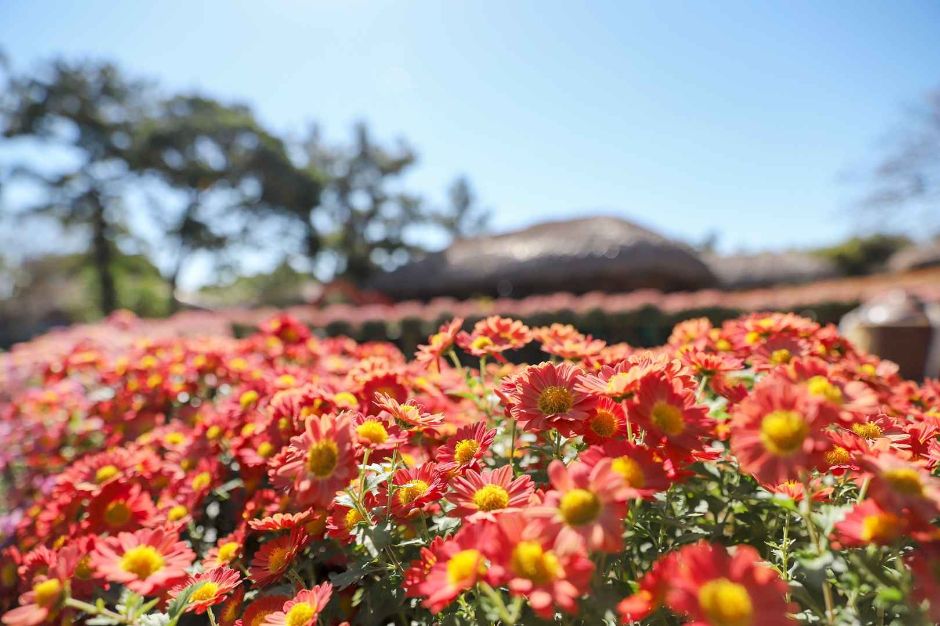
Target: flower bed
[759, 472]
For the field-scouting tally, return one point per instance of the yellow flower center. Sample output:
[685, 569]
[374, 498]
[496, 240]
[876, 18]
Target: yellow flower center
[345, 398]
[47, 592]
[465, 450]
[277, 560]
[322, 457]
[410, 492]
[205, 592]
[881, 528]
[617, 382]
[579, 506]
[726, 603]
[465, 566]
[820, 387]
[84, 571]
[142, 561]
[106, 473]
[300, 614]
[530, 561]
[838, 456]
[867, 430]
[248, 398]
[667, 418]
[201, 481]
[176, 513]
[630, 470]
[175, 438]
[372, 431]
[481, 342]
[783, 432]
[781, 356]
[868, 369]
[905, 480]
[352, 518]
[227, 552]
[213, 432]
[117, 514]
[604, 423]
[491, 497]
[265, 449]
[723, 345]
[554, 400]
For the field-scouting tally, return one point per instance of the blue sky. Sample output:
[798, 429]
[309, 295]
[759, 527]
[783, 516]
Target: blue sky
[741, 118]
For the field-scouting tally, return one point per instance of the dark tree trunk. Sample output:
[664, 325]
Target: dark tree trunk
[101, 251]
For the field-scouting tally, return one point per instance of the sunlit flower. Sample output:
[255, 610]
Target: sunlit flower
[303, 609]
[258, 610]
[458, 564]
[494, 335]
[669, 414]
[416, 489]
[439, 343]
[641, 472]
[214, 585]
[319, 462]
[275, 556]
[465, 448]
[606, 421]
[479, 494]
[147, 561]
[546, 397]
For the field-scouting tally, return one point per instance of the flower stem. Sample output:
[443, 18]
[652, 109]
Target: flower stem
[497, 600]
[91, 609]
[817, 543]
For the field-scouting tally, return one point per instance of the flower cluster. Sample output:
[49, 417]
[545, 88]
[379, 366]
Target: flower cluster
[763, 471]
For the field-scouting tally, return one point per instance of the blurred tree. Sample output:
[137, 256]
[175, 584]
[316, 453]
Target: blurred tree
[223, 164]
[863, 255]
[368, 220]
[88, 112]
[908, 176]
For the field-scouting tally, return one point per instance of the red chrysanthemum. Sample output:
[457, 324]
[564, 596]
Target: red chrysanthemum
[478, 494]
[642, 473]
[303, 609]
[465, 448]
[147, 561]
[458, 564]
[214, 585]
[547, 397]
[666, 410]
[275, 556]
[494, 335]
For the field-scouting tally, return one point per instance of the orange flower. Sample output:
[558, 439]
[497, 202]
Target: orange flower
[666, 410]
[715, 588]
[641, 473]
[478, 494]
[607, 421]
[458, 564]
[465, 448]
[303, 609]
[776, 432]
[214, 585]
[537, 562]
[147, 561]
[319, 462]
[494, 335]
[439, 343]
[275, 556]
[546, 397]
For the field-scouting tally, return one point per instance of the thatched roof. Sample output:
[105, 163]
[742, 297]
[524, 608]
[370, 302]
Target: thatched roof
[577, 256]
[916, 257]
[748, 271]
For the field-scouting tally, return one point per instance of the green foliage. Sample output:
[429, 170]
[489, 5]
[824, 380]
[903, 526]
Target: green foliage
[864, 255]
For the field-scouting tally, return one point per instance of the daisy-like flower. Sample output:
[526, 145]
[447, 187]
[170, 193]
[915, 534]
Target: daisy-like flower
[376, 432]
[465, 448]
[666, 410]
[280, 521]
[303, 609]
[319, 462]
[230, 610]
[621, 381]
[715, 588]
[642, 473]
[537, 562]
[378, 386]
[897, 484]
[226, 550]
[147, 561]
[564, 341]
[478, 494]
[440, 342]
[458, 564]
[418, 569]
[44, 600]
[342, 522]
[590, 502]
[119, 506]
[868, 523]
[214, 585]
[417, 489]
[275, 556]
[408, 414]
[258, 610]
[607, 421]
[651, 593]
[776, 432]
[546, 397]
[494, 335]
